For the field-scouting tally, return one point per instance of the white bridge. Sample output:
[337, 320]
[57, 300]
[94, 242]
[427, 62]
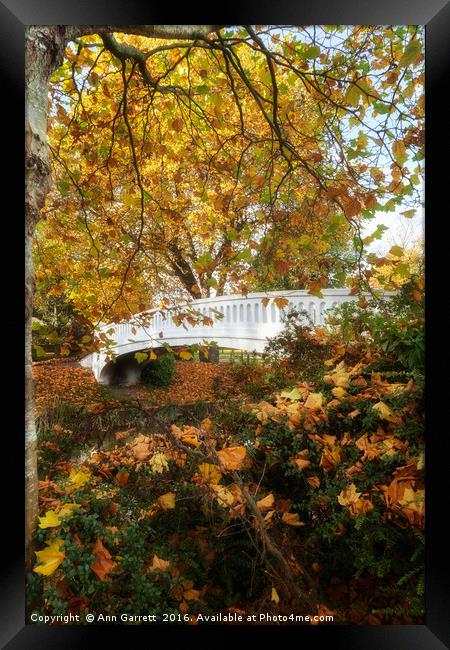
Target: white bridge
[242, 323]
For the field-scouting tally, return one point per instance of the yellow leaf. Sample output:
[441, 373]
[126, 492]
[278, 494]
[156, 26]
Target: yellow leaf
[50, 557]
[232, 457]
[152, 355]
[338, 392]
[67, 509]
[224, 496]
[385, 413]
[167, 501]
[349, 495]
[184, 354]
[399, 152]
[314, 401]
[78, 479]
[275, 597]
[50, 520]
[266, 503]
[281, 302]
[291, 519]
[352, 499]
[210, 473]
[158, 463]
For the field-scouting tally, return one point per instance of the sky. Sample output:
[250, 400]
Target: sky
[399, 228]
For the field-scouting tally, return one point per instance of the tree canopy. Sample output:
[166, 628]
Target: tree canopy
[235, 161]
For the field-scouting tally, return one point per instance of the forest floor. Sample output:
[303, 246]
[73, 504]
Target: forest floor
[193, 381]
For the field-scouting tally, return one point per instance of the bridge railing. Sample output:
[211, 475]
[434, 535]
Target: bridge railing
[234, 317]
[238, 322]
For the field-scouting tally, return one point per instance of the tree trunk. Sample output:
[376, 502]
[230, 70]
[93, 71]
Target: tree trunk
[44, 52]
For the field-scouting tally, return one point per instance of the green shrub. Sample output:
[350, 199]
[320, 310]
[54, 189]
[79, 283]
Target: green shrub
[406, 342]
[160, 371]
[296, 351]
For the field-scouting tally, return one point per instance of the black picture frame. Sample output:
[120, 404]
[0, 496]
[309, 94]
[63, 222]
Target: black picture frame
[15, 15]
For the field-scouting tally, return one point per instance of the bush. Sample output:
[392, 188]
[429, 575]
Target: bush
[298, 350]
[393, 325]
[160, 371]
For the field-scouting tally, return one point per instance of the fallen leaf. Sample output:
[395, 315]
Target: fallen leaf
[78, 479]
[210, 473]
[167, 501]
[232, 458]
[314, 401]
[122, 478]
[266, 503]
[103, 564]
[158, 564]
[274, 596]
[50, 557]
[291, 519]
[49, 520]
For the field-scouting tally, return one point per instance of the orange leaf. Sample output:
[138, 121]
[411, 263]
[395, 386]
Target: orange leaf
[158, 564]
[232, 458]
[122, 478]
[292, 519]
[103, 564]
[266, 503]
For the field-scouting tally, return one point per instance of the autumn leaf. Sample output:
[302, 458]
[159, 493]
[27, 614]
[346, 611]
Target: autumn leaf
[191, 594]
[266, 503]
[314, 401]
[349, 495]
[103, 564]
[232, 458]
[411, 54]
[141, 450]
[331, 457]
[177, 125]
[385, 413]
[294, 394]
[313, 481]
[67, 509]
[50, 520]
[274, 596]
[291, 519]
[78, 479]
[184, 354]
[158, 564]
[352, 499]
[397, 251]
[301, 459]
[50, 557]
[158, 463]
[399, 152]
[224, 496]
[281, 302]
[122, 478]
[167, 501]
[412, 505]
[210, 473]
